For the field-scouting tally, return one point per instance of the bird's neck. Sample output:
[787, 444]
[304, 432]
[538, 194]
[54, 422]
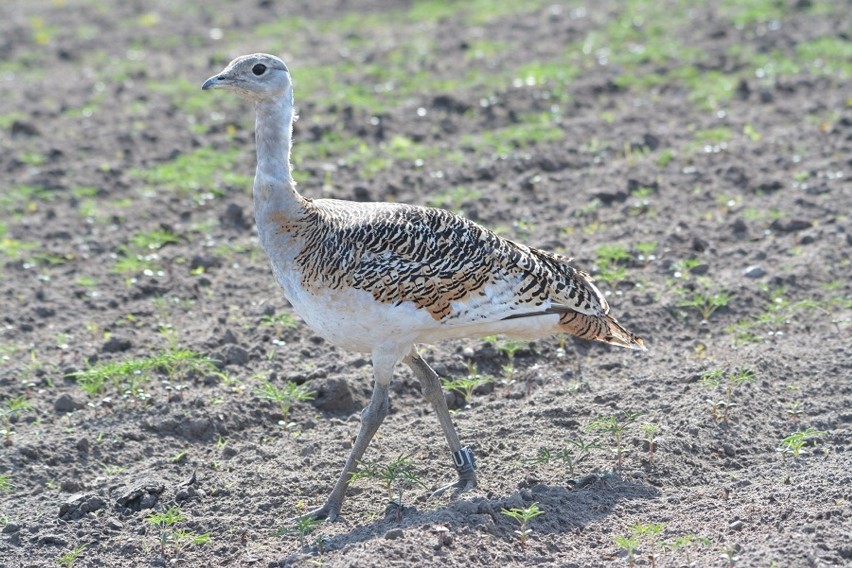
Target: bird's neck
[274, 188]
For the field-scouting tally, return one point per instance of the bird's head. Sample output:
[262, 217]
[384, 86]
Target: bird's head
[256, 77]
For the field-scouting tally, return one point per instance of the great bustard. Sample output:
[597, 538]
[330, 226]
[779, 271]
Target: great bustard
[382, 277]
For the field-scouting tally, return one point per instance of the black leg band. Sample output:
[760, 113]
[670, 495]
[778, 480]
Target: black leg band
[463, 460]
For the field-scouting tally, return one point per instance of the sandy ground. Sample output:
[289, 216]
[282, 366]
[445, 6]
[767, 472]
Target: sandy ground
[704, 180]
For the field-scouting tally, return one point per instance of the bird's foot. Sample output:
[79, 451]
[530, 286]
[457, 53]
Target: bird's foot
[466, 466]
[327, 512]
[458, 487]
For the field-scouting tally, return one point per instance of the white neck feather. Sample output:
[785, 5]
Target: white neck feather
[274, 189]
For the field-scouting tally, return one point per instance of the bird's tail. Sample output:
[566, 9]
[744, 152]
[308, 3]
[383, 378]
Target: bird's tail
[603, 328]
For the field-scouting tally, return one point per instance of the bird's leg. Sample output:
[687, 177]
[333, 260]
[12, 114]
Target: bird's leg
[463, 460]
[371, 418]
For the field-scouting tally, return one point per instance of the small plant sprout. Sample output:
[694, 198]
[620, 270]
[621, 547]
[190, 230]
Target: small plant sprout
[795, 443]
[795, 410]
[648, 532]
[523, 517]
[465, 386]
[5, 483]
[687, 543]
[163, 523]
[397, 476]
[285, 396]
[629, 544]
[69, 558]
[720, 408]
[712, 378]
[611, 260]
[509, 348]
[741, 376]
[169, 534]
[9, 408]
[649, 431]
[615, 427]
[570, 457]
[128, 377]
[179, 457]
[705, 303]
[301, 528]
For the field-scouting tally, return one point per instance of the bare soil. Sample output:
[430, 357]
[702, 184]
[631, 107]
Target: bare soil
[88, 103]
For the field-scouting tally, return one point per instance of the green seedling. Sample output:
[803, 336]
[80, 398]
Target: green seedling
[163, 523]
[795, 443]
[182, 538]
[9, 408]
[282, 320]
[285, 396]
[397, 476]
[795, 410]
[649, 431]
[566, 456]
[129, 375]
[570, 457]
[645, 251]
[720, 409]
[509, 348]
[465, 386]
[69, 558]
[112, 470]
[615, 427]
[523, 517]
[179, 457]
[712, 378]
[301, 528]
[611, 264]
[687, 543]
[705, 303]
[454, 199]
[649, 533]
[5, 483]
[629, 544]
[169, 534]
[741, 376]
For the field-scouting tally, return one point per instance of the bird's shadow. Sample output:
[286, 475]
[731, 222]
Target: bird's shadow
[564, 509]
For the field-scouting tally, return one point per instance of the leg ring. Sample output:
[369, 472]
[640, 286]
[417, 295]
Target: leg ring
[464, 461]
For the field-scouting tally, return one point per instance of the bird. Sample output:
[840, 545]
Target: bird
[383, 278]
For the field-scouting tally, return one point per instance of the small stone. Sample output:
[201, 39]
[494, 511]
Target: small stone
[83, 445]
[205, 262]
[116, 345]
[737, 525]
[234, 218]
[44, 312]
[334, 395]
[11, 528]
[114, 524]
[228, 338]
[234, 355]
[394, 534]
[70, 486]
[791, 226]
[52, 539]
[739, 226]
[754, 271]
[66, 403]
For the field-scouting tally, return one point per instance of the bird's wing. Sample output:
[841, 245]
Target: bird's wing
[447, 265]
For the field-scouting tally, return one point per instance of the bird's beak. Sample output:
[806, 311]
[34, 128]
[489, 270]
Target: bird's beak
[217, 82]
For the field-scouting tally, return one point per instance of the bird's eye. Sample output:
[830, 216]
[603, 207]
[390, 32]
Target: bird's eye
[259, 69]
